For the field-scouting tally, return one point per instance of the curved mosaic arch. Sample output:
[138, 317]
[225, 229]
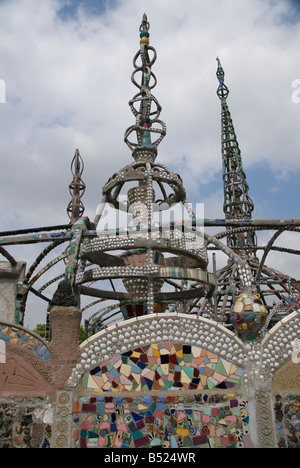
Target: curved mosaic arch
[164, 366]
[20, 336]
[143, 331]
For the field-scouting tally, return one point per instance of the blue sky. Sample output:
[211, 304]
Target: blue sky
[67, 68]
[92, 7]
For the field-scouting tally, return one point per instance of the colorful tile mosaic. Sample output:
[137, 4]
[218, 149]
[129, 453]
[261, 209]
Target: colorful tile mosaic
[248, 315]
[164, 366]
[287, 417]
[202, 421]
[186, 273]
[138, 309]
[23, 338]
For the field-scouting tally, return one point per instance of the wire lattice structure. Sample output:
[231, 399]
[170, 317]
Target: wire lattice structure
[149, 266]
[237, 202]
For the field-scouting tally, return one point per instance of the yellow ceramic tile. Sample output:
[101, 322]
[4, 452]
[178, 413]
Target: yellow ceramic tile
[137, 377]
[227, 365]
[125, 370]
[118, 364]
[185, 379]
[142, 407]
[203, 379]
[107, 386]
[105, 379]
[91, 384]
[165, 368]
[181, 431]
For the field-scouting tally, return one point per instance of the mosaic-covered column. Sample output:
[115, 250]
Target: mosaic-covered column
[65, 318]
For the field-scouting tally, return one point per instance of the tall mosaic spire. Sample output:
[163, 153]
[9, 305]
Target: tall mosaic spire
[163, 262]
[237, 202]
[149, 129]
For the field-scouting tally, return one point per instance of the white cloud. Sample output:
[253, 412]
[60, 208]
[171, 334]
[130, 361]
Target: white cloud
[68, 84]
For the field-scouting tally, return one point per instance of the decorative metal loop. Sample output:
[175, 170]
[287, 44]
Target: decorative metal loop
[147, 74]
[140, 139]
[143, 56]
[75, 208]
[222, 90]
[145, 115]
[142, 97]
[77, 164]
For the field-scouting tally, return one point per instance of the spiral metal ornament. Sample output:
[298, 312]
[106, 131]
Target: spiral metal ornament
[144, 106]
[76, 208]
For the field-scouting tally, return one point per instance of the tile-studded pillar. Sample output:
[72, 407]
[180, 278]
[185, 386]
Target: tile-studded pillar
[65, 318]
[64, 347]
[62, 420]
[264, 414]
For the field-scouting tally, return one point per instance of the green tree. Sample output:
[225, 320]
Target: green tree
[40, 330]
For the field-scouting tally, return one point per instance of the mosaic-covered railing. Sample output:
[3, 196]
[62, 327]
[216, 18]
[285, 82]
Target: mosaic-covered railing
[19, 336]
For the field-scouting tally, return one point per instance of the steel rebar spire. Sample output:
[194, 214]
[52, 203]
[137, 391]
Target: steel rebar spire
[75, 208]
[144, 105]
[237, 202]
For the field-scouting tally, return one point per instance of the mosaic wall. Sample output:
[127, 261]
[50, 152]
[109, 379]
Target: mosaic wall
[287, 418]
[202, 421]
[25, 423]
[164, 366]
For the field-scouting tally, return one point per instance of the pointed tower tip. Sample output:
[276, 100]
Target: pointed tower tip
[144, 105]
[75, 208]
[222, 90]
[220, 71]
[237, 202]
[144, 30]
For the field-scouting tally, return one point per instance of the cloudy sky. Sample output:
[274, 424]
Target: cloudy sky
[66, 65]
